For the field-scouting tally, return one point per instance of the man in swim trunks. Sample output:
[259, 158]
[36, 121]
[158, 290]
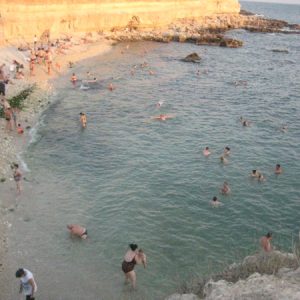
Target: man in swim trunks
[78, 230]
[17, 177]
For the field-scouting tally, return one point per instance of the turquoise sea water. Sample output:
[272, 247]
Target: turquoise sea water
[129, 178]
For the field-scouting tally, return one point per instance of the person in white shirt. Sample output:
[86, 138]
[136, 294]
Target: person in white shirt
[27, 283]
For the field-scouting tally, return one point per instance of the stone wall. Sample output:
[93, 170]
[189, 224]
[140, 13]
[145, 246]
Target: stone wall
[22, 19]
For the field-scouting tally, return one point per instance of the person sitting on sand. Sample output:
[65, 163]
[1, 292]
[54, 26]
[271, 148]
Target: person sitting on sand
[265, 242]
[83, 119]
[206, 151]
[225, 190]
[215, 202]
[78, 230]
[163, 117]
[278, 169]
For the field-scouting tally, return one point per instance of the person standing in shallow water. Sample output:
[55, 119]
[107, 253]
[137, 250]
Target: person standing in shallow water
[83, 119]
[132, 257]
[265, 242]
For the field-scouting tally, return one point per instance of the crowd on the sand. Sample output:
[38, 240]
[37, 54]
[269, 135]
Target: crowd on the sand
[41, 55]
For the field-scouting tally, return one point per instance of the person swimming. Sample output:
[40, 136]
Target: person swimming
[223, 160]
[255, 174]
[278, 169]
[226, 151]
[225, 189]
[163, 117]
[206, 151]
[83, 119]
[215, 202]
[159, 104]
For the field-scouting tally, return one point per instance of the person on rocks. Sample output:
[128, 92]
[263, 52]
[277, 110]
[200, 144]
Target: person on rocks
[78, 230]
[27, 283]
[265, 242]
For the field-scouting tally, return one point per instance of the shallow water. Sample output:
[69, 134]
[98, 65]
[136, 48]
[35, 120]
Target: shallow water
[129, 178]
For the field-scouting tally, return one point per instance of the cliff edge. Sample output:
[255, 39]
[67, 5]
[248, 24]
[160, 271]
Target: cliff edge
[20, 20]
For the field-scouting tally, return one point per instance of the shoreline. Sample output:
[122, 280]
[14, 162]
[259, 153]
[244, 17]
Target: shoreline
[14, 145]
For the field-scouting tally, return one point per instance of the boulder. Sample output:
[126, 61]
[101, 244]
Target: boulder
[193, 57]
[231, 43]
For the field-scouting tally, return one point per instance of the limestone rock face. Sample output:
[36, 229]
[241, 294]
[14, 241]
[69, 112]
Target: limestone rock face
[22, 19]
[258, 287]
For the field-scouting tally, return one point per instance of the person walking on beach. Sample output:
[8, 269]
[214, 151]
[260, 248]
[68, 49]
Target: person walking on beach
[27, 283]
[8, 117]
[78, 230]
[49, 61]
[83, 119]
[17, 177]
[265, 242]
[132, 257]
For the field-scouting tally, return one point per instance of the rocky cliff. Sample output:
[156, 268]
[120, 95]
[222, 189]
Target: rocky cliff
[22, 19]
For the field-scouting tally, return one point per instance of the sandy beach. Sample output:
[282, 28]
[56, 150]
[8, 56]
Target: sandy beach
[11, 142]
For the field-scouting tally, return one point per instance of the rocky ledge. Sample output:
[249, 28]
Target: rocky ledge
[273, 276]
[208, 30]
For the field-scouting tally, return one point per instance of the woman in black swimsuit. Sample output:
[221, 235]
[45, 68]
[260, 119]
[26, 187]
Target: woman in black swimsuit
[128, 264]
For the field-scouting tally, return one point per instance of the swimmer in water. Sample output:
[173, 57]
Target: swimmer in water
[225, 189]
[255, 174]
[226, 151]
[284, 128]
[215, 202]
[261, 178]
[83, 119]
[78, 230]
[159, 104]
[206, 151]
[278, 169]
[223, 160]
[163, 117]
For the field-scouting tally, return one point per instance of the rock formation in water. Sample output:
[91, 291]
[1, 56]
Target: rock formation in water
[22, 19]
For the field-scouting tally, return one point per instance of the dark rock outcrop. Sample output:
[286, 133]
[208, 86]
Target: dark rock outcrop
[193, 57]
